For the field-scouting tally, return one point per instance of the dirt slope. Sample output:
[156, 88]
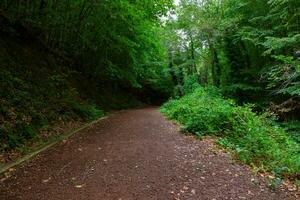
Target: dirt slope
[135, 154]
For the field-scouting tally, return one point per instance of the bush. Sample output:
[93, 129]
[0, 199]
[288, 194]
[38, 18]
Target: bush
[27, 106]
[89, 112]
[190, 84]
[255, 138]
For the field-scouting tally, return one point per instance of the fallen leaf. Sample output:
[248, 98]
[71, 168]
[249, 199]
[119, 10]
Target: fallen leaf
[3, 179]
[12, 169]
[79, 186]
[46, 180]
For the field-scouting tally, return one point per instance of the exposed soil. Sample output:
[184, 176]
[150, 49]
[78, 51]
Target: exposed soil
[135, 154]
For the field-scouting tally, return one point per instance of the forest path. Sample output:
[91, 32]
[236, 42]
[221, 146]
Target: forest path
[134, 154]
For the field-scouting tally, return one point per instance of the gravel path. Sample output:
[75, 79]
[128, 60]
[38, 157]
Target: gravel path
[135, 155]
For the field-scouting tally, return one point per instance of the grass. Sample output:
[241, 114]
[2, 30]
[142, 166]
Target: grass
[256, 139]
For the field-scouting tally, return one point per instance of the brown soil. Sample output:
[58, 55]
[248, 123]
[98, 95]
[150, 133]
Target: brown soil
[135, 154]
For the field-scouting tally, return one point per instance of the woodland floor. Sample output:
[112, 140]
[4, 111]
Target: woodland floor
[135, 154]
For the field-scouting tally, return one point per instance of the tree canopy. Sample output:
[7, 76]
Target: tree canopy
[75, 58]
[248, 48]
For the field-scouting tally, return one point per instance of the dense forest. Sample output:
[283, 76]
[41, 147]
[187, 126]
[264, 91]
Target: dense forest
[231, 69]
[237, 64]
[69, 59]
[248, 49]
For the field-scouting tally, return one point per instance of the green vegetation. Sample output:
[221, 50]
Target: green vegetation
[33, 94]
[255, 138]
[66, 60]
[246, 51]
[247, 48]
[293, 129]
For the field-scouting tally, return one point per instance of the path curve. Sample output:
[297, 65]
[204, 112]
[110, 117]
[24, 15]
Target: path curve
[135, 155]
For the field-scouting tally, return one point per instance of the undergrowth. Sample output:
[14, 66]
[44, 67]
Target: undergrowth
[27, 107]
[257, 140]
[35, 92]
[293, 129]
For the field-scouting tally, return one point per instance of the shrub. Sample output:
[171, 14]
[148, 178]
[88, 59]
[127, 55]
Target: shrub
[89, 112]
[255, 138]
[27, 106]
[190, 84]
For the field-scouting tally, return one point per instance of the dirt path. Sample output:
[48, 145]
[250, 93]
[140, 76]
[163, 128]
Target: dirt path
[134, 154]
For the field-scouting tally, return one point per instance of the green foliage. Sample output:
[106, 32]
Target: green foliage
[28, 106]
[284, 78]
[255, 138]
[87, 111]
[244, 47]
[64, 59]
[190, 84]
[33, 94]
[112, 40]
[292, 128]
[275, 183]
